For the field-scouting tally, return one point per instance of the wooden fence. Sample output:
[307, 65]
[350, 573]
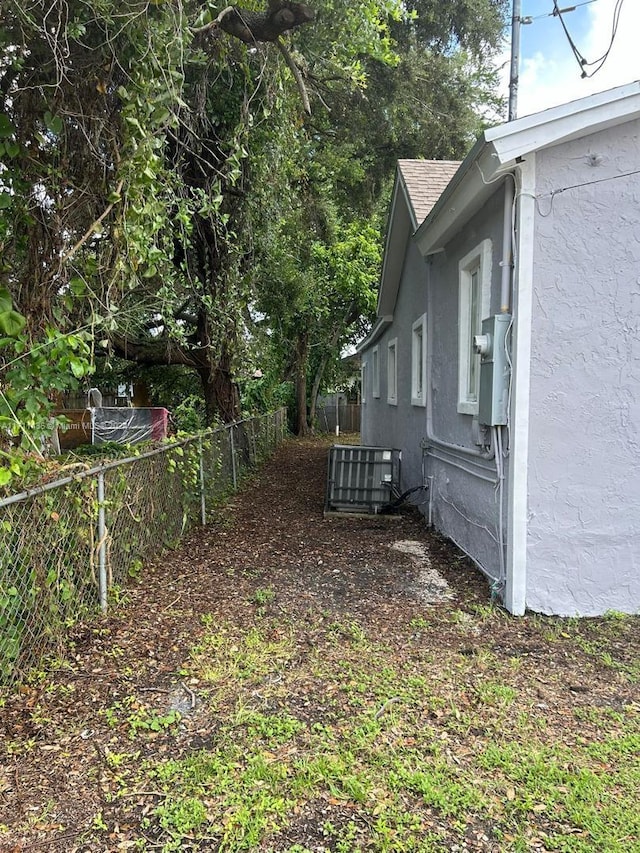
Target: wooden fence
[348, 418]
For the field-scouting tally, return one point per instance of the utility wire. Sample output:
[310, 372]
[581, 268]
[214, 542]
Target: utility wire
[614, 31]
[580, 59]
[578, 56]
[554, 14]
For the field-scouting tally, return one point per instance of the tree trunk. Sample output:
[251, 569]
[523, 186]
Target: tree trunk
[302, 357]
[221, 396]
[317, 379]
[220, 392]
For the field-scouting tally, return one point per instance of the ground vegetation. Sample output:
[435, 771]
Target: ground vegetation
[288, 684]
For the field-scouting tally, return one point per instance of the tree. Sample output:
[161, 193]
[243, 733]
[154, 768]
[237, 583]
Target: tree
[125, 195]
[160, 175]
[422, 101]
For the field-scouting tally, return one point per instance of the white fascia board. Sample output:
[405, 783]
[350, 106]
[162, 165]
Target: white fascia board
[565, 122]
[499, 149]
[398, 232]
[381, 324]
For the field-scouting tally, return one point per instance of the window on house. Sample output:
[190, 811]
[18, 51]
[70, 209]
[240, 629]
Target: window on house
[363, 382]
[392, 372]
[375, 371]
[473, 307]
[419, 361]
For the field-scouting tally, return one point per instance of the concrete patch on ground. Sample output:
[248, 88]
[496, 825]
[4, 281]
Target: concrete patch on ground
[429, 586]
[182, 699]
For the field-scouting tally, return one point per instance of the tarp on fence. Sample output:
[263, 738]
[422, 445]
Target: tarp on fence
[125, 425]
[129, 426]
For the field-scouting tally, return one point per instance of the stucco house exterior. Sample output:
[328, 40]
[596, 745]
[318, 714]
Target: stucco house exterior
[505, 358]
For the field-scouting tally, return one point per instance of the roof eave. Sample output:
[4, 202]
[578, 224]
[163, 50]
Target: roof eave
[565, 122]
[500, 148]
[381, 324]
[471, 185]
[401, 225]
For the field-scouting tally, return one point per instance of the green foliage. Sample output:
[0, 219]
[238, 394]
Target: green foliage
[189, 415]
[32, 377]
[106, 451]
[11, 323]
[182, 817]
[264, 596]
[135, 718]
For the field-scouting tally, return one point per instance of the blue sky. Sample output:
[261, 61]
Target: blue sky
[550, 75]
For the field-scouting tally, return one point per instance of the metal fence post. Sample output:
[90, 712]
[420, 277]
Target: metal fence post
[234, 473]
[102, 544]
[110, 544]
[253, 442]
[203, 505]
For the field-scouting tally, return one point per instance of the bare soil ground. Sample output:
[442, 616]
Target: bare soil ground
[285, 682]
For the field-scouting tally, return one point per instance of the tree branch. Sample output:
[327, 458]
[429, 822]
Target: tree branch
[212, 24]
[153, 353]
[297, 75]
[72, 251]
[251, 27]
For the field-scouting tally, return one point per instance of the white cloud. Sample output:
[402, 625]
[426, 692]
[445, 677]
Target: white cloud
[548, 79]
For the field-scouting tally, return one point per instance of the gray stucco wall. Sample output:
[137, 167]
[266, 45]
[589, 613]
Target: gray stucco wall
[443, 309]
[400, 425]
[464, 498]
[583, 554]
[464, 503]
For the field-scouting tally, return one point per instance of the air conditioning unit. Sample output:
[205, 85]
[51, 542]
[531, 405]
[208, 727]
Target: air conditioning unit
[362, 479]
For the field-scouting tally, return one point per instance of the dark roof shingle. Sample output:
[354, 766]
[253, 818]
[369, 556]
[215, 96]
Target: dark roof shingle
[425, 181]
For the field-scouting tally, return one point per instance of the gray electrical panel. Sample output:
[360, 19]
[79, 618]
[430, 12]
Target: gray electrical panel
[495, 370]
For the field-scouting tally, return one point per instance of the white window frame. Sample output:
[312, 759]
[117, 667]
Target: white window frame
[475, 267]
[392, 372]
[363, 381]
[375, 372]
[419, 362]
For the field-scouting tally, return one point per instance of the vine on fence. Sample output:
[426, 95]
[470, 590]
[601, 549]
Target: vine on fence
[49, 543]
[47, 580]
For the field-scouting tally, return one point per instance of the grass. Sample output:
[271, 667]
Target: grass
[378, 750]
[279, 723]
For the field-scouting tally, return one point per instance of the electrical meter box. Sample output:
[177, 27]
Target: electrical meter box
[495, 370]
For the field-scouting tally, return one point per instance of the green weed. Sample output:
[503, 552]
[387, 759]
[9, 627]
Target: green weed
[496, 694]
[261, 597]
[387, 749]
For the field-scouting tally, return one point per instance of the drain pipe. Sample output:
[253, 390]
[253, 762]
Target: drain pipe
[506, 265]
[506, 262]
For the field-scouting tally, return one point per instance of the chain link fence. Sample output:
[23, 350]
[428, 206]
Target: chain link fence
[65, 544]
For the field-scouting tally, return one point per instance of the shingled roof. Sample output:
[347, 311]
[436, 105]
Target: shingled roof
[424, 182]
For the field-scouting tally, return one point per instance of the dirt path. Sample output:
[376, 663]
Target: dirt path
[141, 688]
